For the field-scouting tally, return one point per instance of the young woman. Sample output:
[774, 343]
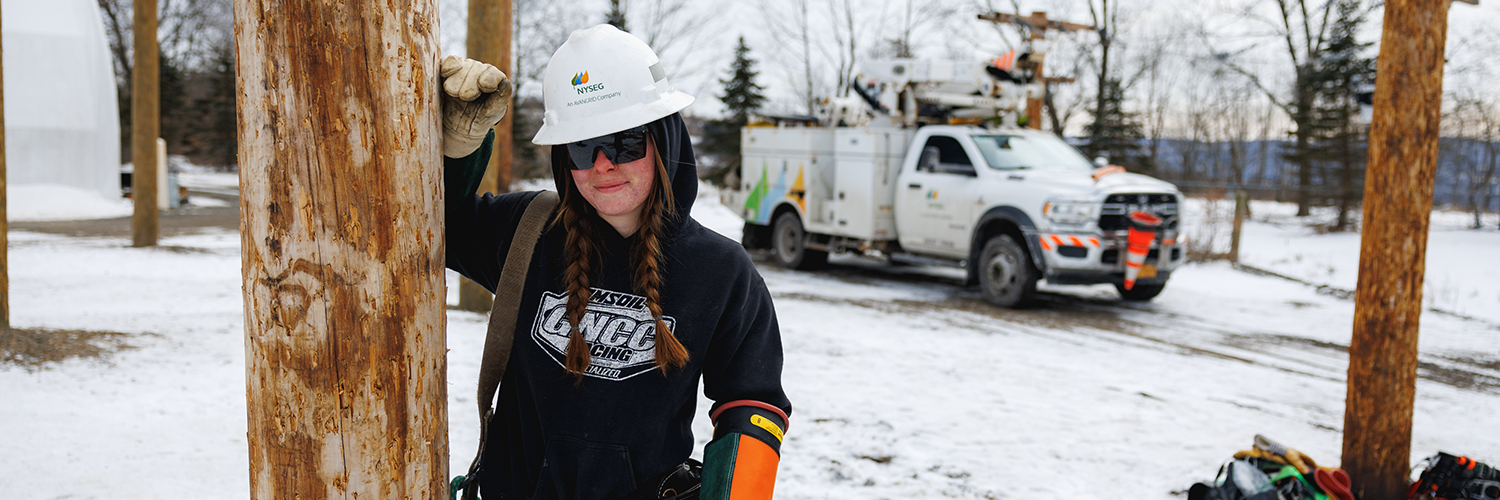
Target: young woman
[628, 302]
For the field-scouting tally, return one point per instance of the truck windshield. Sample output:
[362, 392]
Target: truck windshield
[1030, 151]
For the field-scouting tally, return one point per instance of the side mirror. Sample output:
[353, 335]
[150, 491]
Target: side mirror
[1101, 162]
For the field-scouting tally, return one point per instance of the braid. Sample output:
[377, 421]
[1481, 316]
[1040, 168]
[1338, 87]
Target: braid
[669, 351]
[581, 252]
[580, 255]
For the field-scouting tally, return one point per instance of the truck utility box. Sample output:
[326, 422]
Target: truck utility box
[840, 178]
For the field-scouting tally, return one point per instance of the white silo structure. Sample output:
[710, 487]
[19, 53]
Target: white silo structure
[62, 124]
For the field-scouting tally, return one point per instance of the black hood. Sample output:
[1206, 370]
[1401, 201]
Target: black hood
[676, 150]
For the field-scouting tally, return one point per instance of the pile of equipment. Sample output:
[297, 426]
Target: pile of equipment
[1270, 471]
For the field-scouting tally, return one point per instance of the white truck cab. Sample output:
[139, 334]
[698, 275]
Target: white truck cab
[1011, 206]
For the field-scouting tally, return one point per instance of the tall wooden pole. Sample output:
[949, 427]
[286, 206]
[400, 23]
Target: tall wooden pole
[341, 236]
[489, 40]
[4, 215]
[1034, 104]
[145, 97]
[1393, 248]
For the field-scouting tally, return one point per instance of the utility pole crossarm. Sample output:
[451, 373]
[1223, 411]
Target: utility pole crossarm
[1036, 26]
[1037, 22]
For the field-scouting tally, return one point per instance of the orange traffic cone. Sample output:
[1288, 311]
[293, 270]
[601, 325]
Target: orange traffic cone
[1143, 228]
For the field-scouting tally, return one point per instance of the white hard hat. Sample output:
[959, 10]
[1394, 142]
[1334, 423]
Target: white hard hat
[601, 81]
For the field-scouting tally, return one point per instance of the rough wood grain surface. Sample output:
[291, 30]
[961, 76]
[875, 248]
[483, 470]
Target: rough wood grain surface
[145, 100]
[341, 195]
[4, 222]
[1397, 205]
[489, 40]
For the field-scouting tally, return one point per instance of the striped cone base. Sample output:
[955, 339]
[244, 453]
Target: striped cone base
[1138, 244]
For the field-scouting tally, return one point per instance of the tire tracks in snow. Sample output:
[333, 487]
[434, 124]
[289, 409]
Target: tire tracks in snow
[1072, 319]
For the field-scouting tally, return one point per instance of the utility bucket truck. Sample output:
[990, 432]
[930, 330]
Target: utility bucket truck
[916, 168]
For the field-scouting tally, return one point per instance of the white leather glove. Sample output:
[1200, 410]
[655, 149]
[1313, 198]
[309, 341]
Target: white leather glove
[475, 97]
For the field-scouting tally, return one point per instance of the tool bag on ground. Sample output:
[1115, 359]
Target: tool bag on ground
[1449, 477]
[1270, 471]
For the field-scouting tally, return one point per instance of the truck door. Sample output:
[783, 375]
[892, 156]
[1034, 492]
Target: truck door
[938, 198]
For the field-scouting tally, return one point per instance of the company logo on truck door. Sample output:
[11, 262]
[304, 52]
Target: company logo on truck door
[617, 327]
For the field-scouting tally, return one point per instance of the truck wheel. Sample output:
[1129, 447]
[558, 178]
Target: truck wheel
[1006, 276]
[754, 236]
[787, 245]
[1140, 293]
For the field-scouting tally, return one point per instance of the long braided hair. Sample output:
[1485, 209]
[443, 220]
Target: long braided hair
[580, 222]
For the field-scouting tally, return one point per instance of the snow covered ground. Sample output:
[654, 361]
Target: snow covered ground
[1462, 276]
[55, 202]
[905, 385]
[47, 202]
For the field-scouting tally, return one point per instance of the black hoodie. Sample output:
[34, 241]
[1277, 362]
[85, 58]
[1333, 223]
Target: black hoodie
[626, 422]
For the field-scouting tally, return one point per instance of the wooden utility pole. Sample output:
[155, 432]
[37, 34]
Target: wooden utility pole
[145, 97]
[1035, 27]
[489, 41]
[4, 216]
[1393, 248]
[342, 240]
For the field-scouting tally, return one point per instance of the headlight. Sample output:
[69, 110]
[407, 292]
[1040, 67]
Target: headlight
[1070, 211]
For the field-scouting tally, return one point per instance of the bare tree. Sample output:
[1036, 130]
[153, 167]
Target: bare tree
[846, 35]
[675, 29]
[1474, 150]
[189, 31]
[1106, 24]
[1302, 26]
[794, 39]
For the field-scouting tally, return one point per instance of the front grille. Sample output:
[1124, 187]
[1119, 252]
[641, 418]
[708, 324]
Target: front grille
[1114, 215]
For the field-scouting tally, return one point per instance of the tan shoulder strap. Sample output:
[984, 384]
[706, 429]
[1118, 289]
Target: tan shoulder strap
[502, 328]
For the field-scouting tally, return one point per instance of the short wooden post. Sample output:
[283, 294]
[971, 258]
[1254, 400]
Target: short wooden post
[341, 236]
[145, 97]
[163, 198]
[1393, 248]
[1241, 209]
[489, 40]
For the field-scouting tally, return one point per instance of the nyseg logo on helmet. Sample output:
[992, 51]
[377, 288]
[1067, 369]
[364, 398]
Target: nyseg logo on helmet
[581, 84]
[601, 81]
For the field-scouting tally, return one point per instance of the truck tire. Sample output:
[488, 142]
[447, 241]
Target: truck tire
[1006, 275]
[787, 248]
[755, 236]
[1140, 293]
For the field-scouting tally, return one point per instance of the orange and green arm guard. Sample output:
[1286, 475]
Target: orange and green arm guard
[740, 462]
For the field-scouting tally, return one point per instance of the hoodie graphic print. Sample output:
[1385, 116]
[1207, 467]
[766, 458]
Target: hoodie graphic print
[619, 329]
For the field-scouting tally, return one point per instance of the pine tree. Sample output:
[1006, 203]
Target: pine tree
[1116, 134]
[1336, 144]
[616, 14]
[741, 97]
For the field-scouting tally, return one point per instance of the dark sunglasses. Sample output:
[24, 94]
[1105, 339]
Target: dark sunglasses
[620, 147]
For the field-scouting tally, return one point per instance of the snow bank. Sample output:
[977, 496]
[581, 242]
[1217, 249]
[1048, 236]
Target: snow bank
[1461, 275]
[44, 202]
